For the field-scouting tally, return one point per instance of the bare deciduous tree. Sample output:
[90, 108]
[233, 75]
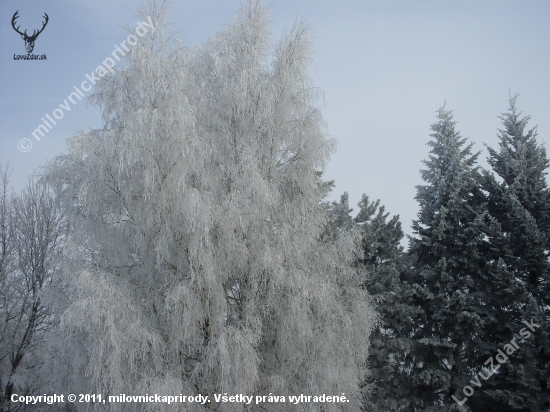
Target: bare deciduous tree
[30, 236]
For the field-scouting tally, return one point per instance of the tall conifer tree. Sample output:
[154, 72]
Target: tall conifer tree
[385, 266]
[519, 201]
[448, 268]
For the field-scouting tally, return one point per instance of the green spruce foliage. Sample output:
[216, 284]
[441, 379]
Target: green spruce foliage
[464, 313]
[449, 268]
[384, 265]
[519, 202]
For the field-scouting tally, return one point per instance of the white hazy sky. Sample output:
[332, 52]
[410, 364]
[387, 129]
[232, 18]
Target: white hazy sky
[385, 67]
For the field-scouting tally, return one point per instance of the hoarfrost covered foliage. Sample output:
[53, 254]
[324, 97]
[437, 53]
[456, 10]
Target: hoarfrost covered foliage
[196, 224]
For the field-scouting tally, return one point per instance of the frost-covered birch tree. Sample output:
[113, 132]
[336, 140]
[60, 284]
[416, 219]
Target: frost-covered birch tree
[196, 222]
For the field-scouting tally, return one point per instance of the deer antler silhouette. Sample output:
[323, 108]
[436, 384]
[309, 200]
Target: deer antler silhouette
[29, 40]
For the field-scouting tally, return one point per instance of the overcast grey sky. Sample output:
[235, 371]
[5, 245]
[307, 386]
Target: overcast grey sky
[385, 67]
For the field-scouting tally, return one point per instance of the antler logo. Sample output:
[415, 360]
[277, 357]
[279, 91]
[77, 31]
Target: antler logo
[29, 40]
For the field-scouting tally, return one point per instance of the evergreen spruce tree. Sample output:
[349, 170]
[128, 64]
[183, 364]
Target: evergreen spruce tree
[340, 216]
[449, 269]
[519, 202]
[384, 266]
